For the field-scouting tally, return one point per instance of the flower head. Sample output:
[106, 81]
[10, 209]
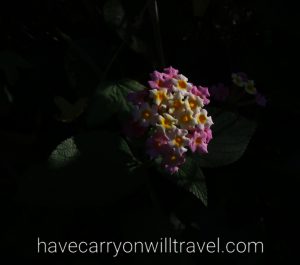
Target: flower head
[172, 111]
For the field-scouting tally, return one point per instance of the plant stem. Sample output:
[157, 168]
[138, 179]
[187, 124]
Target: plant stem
[153, 9]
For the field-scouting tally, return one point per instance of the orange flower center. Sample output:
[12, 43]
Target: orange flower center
[160, 83]
[178, 141]
[173, 158]
[146, 114]
[202, 118]
[182, 84]
[161, 95]
[166, 123]
[192, 104]
[185, 118]
[177, 104]
[198, 140]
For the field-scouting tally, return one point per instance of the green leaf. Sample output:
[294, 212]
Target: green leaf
[90, 168]
[110, 99]
[65, 153]
[191, 177]
[231, 135]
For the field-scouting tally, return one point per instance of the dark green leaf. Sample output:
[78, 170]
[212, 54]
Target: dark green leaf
[191, 177]
[110, 99]
[231, 135]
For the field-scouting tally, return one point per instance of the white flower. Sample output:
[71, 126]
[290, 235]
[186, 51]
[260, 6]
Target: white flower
[180, 83]
[146, 115]
[160, 96]
[178, 140]
[166, 122]
[193, 102]
[203, 121]
[186, 120]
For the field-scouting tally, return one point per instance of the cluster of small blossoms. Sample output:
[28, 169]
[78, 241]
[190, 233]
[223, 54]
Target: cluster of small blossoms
[241, 80]
[172, 110]
[221, 92]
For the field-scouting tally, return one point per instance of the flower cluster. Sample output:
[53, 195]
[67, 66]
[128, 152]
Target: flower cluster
[221, 92]
[172, 111]
[241, 80]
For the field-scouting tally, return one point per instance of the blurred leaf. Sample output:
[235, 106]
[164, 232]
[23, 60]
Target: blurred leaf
[113, 12]
[114, 15]
[69, 112]
[231, 135]
[9, 63]
[110, 99]
[89, 168]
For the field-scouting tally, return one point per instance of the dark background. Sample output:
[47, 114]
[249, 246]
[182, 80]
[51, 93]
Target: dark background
[252, 199]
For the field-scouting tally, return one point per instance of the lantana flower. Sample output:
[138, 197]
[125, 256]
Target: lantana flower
[199, 141]
[203, 121]
[146, 114]
[178, 140]
[241, 80]
[166, 122]
[176, 104]
[172, 111]
[159, 95]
